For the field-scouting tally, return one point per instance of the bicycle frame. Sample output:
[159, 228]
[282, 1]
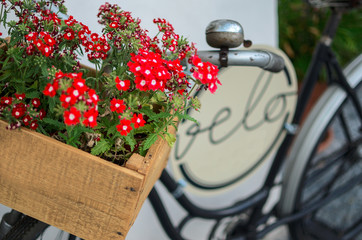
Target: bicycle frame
[323, 56]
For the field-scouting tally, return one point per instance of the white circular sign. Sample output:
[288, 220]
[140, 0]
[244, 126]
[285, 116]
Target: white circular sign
[240, 126]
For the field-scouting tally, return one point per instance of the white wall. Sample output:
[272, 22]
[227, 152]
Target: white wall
[191, 17]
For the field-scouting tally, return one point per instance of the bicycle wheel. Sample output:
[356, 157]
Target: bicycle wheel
[327, 182]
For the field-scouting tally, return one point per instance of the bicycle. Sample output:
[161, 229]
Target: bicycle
[314, 181]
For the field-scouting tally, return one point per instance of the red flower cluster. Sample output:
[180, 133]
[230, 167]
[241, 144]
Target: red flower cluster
[206, 73]
[78, 100]
[124, 127]
[97, 46]
[74, 32]
[43, 41]
[23, 113]
[152, 72]
[118, 21]
[171, 40]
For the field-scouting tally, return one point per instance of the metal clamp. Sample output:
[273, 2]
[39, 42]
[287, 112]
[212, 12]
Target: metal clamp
[291, 128]
[223, 56]
[178, 192]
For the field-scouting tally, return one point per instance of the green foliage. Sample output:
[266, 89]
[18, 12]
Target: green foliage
[151, 139]
[300, 27]
[101, 147]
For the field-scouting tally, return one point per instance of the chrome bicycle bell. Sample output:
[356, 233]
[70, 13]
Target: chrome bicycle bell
[224, 33]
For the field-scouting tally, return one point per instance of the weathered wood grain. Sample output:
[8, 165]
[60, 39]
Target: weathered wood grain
[74, 190]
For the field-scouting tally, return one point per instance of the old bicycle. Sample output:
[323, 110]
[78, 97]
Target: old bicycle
[314, 182]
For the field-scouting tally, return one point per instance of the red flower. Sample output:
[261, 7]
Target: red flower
[20, 96]
[90, 46]
[94, 37]
[138, 121]
[113, 25]
[72, 117]
[90, 118]
[34, 124]
[35, 102]
[31, 36]
[141, 84]
[117, 105]
[42, 114]
[70, 21]
[98, 47]
[80, 85]
[67, 100]
[122, 84]
[30, 49]
[124, 127]
[69, 34]
[106, 48]
[50, 90]
[49, 40]
[93, 96]
[59, 75]
[18, 111]
[153, 85]
[74, 92]
[39, 44]
[75, 75]
[26, 120]
[213, 86]
[81, 35]
[6, 100]
[85, 28]
[47, 50]
[181, 91]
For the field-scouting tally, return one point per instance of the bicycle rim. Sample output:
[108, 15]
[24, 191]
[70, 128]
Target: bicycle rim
[313, 176]
[336, 169]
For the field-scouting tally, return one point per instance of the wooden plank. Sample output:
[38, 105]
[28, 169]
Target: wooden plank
[154, 163]
[66, 187]
[135, 162]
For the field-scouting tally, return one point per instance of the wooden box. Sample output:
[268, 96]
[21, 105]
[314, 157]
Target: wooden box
[74, 190]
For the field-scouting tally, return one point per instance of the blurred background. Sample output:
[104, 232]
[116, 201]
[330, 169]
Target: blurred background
[300, 26]
[290, 24]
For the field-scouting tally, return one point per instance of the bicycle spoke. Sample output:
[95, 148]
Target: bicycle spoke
[323, 163]
[346, 131]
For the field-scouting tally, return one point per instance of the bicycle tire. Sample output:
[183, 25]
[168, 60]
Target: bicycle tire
[27, 228]
[304, 178]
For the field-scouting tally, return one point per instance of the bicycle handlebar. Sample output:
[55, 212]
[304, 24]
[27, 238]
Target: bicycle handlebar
[259, 58]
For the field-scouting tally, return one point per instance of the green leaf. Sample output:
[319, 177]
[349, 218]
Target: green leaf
[76, 131]
[130, 141]
[101, 147]
[65, 138]
[112, 130]
[57, 124]
[148, 112]
[186, 116]
[52, 104]
[161, 115]
[170, 138]
[145, 129]
[32, 94]
[149, 141]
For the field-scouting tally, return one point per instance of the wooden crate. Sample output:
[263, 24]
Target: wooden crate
[74, 190]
